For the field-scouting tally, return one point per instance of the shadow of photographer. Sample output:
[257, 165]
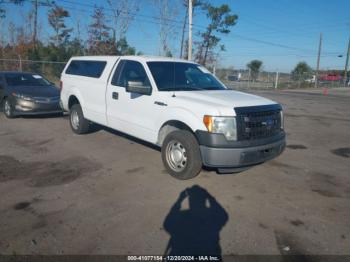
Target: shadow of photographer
[196, 230]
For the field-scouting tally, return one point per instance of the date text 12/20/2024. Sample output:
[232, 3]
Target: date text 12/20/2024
[173, 258]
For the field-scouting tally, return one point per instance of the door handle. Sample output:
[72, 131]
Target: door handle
[115, 95]
[160, 103]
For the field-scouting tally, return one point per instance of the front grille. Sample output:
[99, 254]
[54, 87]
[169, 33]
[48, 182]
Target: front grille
[258, 121]
[46, 99]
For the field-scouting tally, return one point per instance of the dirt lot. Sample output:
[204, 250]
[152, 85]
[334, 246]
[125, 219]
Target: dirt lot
[104, 193]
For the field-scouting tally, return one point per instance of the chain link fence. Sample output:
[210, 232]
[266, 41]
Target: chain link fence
[51, 70]
[242, 80]
[235, 79]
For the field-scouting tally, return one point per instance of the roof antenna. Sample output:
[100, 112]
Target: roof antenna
[174, 81]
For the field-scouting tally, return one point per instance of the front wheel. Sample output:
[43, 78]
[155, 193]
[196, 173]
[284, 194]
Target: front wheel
[78, 123]
[7, 108]
[181, 155]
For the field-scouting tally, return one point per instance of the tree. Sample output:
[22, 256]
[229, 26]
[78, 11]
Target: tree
[254, 66]
[221, 20]
[123, 48]
[167, 13]
[123, 12]
[168, 54]
[301, 71]
[56, 18]
[99, 41]
[75, 47]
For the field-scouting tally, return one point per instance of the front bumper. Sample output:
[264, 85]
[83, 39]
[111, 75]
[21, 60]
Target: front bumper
[24, 107]
[240, 154]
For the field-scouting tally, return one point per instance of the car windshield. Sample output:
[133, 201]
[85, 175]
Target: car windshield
[180, 76]
[26, 80]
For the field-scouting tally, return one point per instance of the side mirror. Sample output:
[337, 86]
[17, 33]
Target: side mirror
[138, 87]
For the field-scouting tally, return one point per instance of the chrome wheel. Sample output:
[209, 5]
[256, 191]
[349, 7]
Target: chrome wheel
[7, 108]
[74, 119]
[176, 156]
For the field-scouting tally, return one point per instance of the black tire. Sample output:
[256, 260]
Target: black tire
[82, 125]
[7, 108]
[181, 140]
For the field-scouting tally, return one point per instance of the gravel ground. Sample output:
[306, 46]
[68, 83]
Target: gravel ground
[106, 193]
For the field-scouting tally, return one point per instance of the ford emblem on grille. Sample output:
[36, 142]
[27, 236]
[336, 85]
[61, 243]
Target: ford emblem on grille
[268, 123]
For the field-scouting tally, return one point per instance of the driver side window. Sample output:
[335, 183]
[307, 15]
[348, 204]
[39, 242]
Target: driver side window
[128, 70]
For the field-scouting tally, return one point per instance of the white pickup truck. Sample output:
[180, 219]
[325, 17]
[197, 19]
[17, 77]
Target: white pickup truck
[175, 104]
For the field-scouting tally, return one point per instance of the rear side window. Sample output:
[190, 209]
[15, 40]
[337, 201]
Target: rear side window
[86, 68]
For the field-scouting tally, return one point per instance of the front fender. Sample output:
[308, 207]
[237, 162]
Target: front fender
[182, 115]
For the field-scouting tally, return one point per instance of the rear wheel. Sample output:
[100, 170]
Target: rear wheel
[78, 123]
[7, 108]
[181, 156]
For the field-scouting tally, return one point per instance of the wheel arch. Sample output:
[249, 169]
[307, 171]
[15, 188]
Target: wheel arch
[72, 100]
[170, 126]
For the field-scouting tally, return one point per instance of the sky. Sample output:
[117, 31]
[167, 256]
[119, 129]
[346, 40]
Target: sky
[281, 33]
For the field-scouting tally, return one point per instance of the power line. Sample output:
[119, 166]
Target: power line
[126, 12]
[194, 25]
[284, 32]
[270, 43]
[198, 26]
[156, 20]
[272, 55]
[135, 18]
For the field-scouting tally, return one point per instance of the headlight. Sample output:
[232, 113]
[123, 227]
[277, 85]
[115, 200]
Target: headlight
[222, 125]
[24, 97]
[282, 119]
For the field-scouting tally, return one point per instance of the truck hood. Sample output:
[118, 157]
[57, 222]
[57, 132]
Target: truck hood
[220, 101]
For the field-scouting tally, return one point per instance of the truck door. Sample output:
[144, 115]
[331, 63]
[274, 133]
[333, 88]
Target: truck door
[131, 113]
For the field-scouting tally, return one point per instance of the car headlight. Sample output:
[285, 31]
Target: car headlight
[222, 125]
[21, 96]
[282, 119]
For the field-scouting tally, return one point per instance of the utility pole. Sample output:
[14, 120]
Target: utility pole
[249, 76]
[20, 62]
[35, 27]
[190, 9]
[183, 35]
[276, 80]
[346, 64]
[318, 60]
[36, 4]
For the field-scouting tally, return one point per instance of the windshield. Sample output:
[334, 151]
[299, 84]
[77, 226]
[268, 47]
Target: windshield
[26, 80]
[177, 76]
